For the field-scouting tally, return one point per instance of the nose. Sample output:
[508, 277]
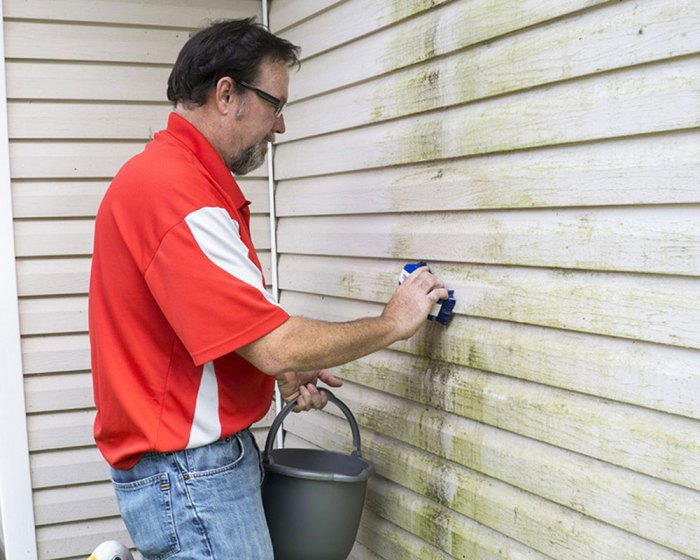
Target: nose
[279, 127]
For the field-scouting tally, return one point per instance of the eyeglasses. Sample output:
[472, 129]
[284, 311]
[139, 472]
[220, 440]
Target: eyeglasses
[276, 102]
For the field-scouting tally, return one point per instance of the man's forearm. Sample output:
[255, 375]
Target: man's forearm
[305, 344]
[302, 344]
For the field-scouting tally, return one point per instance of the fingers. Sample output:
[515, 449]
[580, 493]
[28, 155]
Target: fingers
[423, 277]
[329, 379]
[301, 386]
[438, 294]
[310, 397]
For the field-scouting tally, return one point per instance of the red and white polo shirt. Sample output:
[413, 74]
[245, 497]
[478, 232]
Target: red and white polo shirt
[175, 289]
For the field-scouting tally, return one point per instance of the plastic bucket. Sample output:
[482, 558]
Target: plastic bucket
[313, 498]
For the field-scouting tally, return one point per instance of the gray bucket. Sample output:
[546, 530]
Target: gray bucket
[313, 498]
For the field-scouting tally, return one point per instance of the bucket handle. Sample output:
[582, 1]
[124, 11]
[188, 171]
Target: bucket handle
[290, 406]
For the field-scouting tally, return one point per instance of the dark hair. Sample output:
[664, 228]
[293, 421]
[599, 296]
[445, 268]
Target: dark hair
[234, 48]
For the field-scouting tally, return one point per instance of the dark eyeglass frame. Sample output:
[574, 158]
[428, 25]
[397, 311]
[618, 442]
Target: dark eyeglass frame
[276, 102]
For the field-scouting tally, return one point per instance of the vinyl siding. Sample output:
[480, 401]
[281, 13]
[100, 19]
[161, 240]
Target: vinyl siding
[544, 158]
[86, 90]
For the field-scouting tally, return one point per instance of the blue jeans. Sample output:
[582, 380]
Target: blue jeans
[197, 504]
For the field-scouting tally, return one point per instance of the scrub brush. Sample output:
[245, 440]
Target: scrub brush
[442, 310]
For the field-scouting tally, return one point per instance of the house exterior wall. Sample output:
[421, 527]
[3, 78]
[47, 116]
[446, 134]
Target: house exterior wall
[86, 90]
[544, 157]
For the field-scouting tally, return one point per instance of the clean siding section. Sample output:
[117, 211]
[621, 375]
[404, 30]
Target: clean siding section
[81, 101]
[544, 158]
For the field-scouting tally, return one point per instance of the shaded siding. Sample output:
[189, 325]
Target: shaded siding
[544, 158]
[86, 90]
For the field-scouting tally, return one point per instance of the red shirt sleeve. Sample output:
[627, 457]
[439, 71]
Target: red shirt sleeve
[208, 287]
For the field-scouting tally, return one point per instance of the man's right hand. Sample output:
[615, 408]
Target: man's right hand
[413, 300]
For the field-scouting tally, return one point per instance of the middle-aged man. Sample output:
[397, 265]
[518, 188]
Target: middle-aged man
[186, 342]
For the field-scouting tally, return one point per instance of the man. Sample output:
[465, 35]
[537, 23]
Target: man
[186, 343]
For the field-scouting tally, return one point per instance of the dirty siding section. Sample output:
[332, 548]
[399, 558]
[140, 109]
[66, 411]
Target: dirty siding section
[86, 90]
[544, 157]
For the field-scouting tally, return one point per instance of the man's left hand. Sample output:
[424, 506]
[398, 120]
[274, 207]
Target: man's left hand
[302, 387]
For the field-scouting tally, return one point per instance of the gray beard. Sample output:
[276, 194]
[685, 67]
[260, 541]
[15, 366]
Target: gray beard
[248, 160]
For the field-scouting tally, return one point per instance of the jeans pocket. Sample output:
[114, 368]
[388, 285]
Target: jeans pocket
[146, 508]
[217, 458]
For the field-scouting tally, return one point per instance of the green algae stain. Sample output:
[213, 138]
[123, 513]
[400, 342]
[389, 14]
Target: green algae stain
[412, 43]
[401, 246]
[349, 285]
[410, 92]
[422, 141]
[385, 286]
[401, 9]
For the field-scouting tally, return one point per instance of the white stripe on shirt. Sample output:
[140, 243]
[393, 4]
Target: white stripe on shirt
[206, 426]
[218, 236]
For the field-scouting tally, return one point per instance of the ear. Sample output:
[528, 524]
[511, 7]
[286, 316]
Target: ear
[225, 96]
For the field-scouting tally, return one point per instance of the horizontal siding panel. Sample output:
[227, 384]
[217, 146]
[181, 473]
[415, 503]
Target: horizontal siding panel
[79, 539]
[46, 393]
[41, 238]
[285, 13]
[595, 108]
[62, 276]
[260, 232]
[361, 552]
[179, 13]
[26, 79]
[57, 199]
[520, 515]
[598, 41]
[74, 428]
[53, 315]
[393, 542]
[649, 375]
[293, 440]
[650, 508]
[70, 160]
[91, 43]
[67, 276]
[348, 21]
[49, 354]
[634, 240]
[435, 33]
[75, 159]
[68, 466]
[648, 170]
[256, 191]
[80, 121]
[455, 534]
[622, 305]
[60, 431]
[77, 503]
[555, 534]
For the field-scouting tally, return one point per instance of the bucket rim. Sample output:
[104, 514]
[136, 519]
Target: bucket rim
[309, 474]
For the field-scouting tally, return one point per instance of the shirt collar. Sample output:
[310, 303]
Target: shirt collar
[196, 142]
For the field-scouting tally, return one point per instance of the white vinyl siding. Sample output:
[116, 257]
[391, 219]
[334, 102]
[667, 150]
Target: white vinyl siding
[544, 157]
[86, 88]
